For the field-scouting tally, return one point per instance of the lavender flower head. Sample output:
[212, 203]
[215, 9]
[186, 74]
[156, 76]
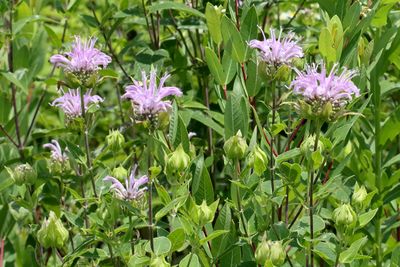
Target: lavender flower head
[83, 57]
[56, 152]
[147, 97]
[277, 51]
[70, 102]
[316, 85]
[131, 190]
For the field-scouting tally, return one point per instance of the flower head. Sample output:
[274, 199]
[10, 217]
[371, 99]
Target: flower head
[83, 57]
[70, 102]
[131, 189]
[148, 97]
[317, 85]
[56, 153]
[277, 51]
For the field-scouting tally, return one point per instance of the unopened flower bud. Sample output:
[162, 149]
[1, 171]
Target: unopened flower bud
[309, 143]
[344, 215]
[205, 213]
[23, 174]
[159, 262]
[235, 147]
[52, 233]
[359, 196]
[278, 254]
[258, 160]
[120, 173]
[115, 140]
[262, 252]
[178, 160]
[282, 73]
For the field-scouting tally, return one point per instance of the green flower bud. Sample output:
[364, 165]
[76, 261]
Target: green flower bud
[262, 252]
[359, 196]
[120, 173]
[52, 233]
[344, 215]
[258, 160]
[23, 174]
[154, 171]
[159, 262]
[278, 254]
[308, 145]
[115, 140]
[178, 160]
[205, 213]
[235, 147]
[282, 73]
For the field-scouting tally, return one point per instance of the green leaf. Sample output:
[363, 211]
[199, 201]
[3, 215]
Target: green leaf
[208, 121]
[177, 238]
[365, 218]
[174, 204]
[229, 68]
[350, 254]
[253, 82]
[391, 127]
[13, 79]
[290, 171]
[175, 6]
[214, 66]
[248, 28]
[236, 115]
[53, 36]
[326, 250]
[288, 155]
[177, 130]
[162, 246]
[213, 235]
[326, 45]
[381, 16]
[213, 18]
[191, 260]
[233, 40]
[108, 73]
[202, 188]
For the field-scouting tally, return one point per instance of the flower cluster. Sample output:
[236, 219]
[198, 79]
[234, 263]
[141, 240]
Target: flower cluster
[56, 152]
[83, 57]
[316, 85]
[277, 51]
[131, 190]
[70, 102]
[147, 97]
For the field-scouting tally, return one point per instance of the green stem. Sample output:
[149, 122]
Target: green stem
[86, 139]
[239, 198]
[272, 159]
[310, 195]
[150, 200]
[378, 165]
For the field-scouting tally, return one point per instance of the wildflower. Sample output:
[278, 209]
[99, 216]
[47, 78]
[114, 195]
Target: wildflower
[314, 85]
[277, 51]
[83, 57]
[324, 95]
[148, 98]
[70, 102]
[56, 153]
[131, 190]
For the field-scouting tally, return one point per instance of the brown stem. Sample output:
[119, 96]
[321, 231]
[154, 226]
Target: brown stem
[8, 136]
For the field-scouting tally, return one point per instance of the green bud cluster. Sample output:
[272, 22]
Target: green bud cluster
[235, 147]
[23, 174]
[115, 140]
[52, 233]
[270, 251]
[344, 216]
[258, 160]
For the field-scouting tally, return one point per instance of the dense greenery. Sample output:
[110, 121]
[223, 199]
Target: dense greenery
[241, 170]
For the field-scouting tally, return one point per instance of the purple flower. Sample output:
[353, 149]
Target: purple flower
[277, 51]
[82, 58]
[131, 189]
[70, 102]
[56, 153]
[317, 85]
[147, 97]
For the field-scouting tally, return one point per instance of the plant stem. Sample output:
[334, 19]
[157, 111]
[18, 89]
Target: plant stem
[86, 138]
[272, 159]
[310, 195]
[375, 88]
[150, 200]
[239, 198]
[130, 226]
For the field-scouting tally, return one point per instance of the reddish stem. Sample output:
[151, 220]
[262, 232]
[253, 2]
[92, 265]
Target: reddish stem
[269, 143]
[1, 252]
[326, 178]
[303, 121]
